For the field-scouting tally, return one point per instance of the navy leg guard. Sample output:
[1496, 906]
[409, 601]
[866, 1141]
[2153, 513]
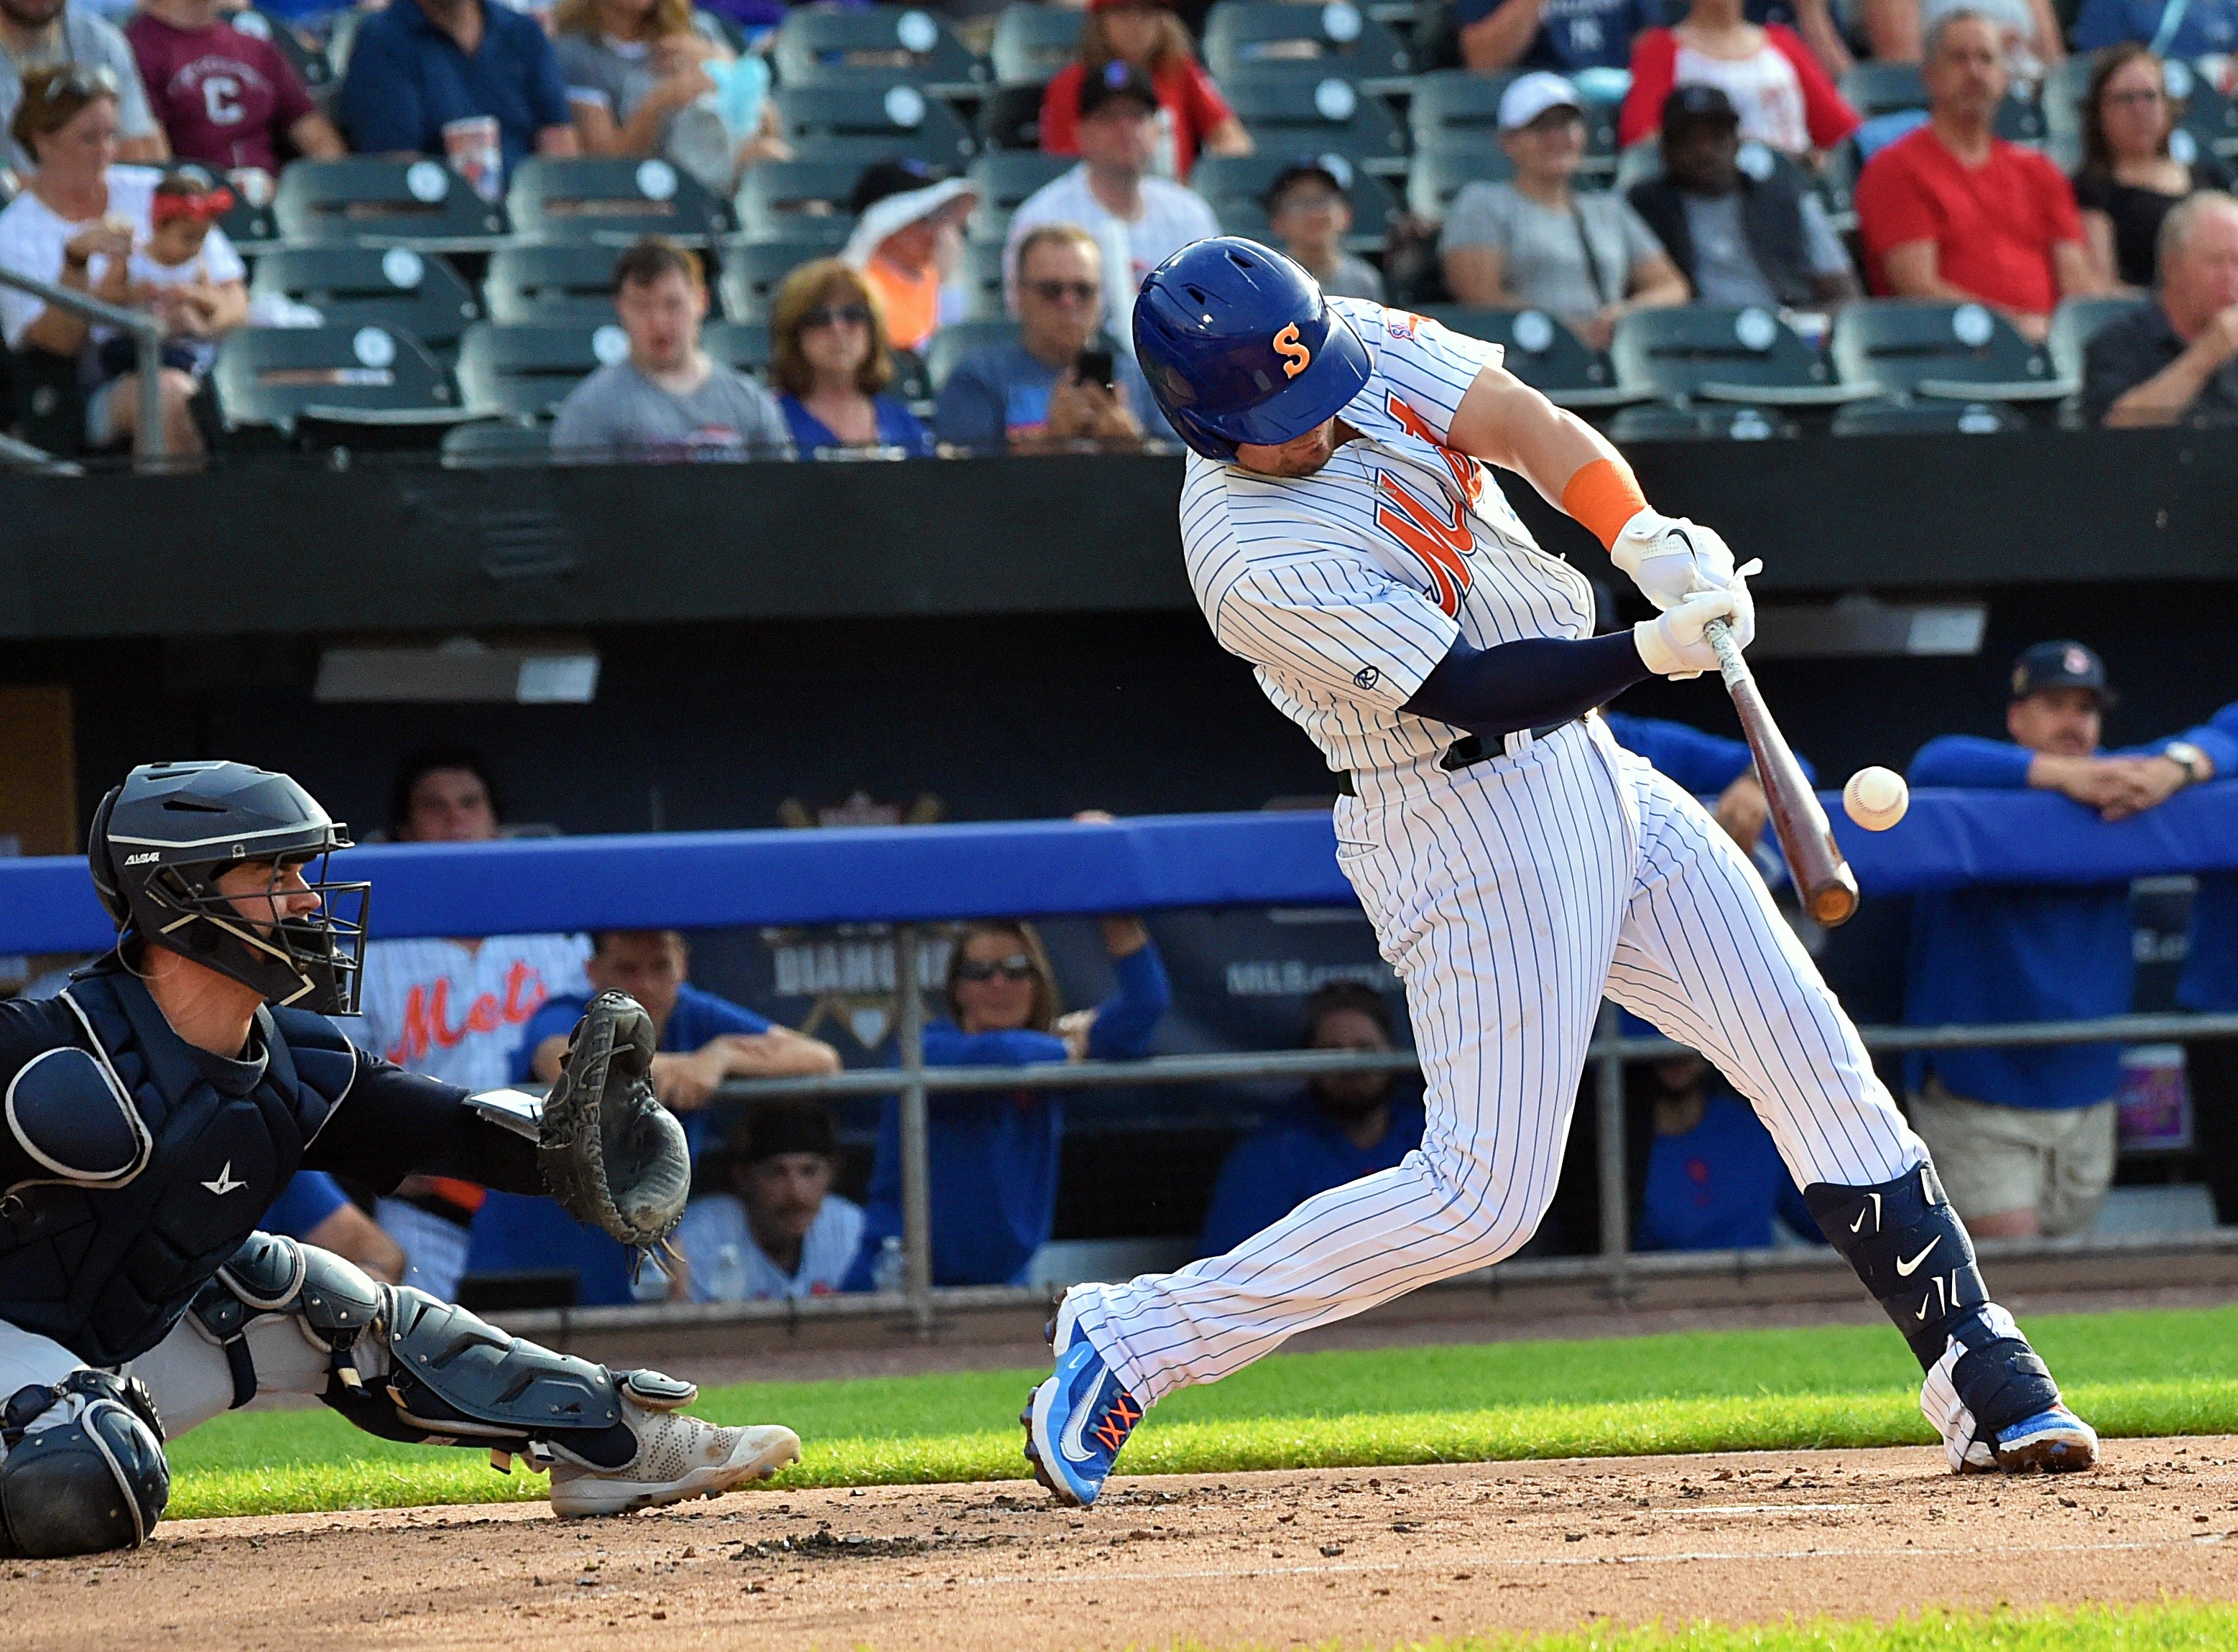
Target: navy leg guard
[1913, 1253]
[94, 1482]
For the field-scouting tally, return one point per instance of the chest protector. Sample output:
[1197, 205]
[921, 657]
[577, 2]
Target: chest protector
[159, 1163]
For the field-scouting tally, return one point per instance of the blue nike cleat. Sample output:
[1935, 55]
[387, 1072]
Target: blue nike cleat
[1076, 1423]
[2056, 1441]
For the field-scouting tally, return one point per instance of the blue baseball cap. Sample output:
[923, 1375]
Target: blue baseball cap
[2060, 666]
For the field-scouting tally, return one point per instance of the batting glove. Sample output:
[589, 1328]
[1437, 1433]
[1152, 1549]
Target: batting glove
[1671, 644]
[1670, 558]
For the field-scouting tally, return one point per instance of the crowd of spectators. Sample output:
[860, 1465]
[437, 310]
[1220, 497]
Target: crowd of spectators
[1735, 131]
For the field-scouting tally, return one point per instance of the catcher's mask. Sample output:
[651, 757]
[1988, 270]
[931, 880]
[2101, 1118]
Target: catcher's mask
[161, 841]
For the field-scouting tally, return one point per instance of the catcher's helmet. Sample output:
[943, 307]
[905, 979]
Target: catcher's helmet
[161, 840]
[1239, 346]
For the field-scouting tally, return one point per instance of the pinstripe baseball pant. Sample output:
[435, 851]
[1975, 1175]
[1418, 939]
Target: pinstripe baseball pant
[1510, 896]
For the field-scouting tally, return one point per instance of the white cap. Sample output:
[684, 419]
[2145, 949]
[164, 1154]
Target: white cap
[1531, 95]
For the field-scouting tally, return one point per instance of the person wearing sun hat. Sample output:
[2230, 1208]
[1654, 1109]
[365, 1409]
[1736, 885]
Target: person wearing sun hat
[909, 229]
[1146, 35]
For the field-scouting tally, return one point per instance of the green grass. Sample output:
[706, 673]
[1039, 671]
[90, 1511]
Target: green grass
[2173, 1626]
[2133, 1373]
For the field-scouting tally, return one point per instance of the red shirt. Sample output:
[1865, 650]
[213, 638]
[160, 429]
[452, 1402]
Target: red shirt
[1655, 76]
[225, 98]
[1993, 225]
[1191, 101]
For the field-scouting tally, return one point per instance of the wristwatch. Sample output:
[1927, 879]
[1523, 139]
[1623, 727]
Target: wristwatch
[2188, 758]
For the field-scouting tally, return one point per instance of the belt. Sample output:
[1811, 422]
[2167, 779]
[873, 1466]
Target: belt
[1471, 750]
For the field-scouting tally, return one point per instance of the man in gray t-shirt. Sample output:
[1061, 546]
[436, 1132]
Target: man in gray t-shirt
[668, 400]
[39, 33]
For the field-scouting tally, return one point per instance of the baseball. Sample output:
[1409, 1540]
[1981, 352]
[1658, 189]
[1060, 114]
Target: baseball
[1876, 798]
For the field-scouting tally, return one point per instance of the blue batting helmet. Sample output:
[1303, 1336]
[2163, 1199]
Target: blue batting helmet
[1239, 346]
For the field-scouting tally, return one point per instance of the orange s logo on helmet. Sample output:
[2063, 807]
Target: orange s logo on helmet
[1295, 357]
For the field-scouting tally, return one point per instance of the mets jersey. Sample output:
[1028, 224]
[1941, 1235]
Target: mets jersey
[1345, 588]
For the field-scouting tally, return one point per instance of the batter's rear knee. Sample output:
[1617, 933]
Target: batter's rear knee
[94, 1481]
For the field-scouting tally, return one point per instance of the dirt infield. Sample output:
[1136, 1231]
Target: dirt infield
[1360, 1557]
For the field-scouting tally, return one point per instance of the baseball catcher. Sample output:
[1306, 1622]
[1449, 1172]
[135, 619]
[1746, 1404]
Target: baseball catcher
[157, 1107]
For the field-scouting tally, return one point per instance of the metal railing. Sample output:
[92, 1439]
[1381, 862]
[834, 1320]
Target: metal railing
[148, 445]
[915, 1083]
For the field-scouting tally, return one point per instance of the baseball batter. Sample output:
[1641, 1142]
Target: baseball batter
[1342, 536]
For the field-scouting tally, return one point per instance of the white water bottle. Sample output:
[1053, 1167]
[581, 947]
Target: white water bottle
[890, 1276]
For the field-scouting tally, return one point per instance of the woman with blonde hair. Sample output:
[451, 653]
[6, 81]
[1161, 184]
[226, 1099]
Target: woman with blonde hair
[656, 77]
[830, 364]
[994, 1153]
[1146, 35]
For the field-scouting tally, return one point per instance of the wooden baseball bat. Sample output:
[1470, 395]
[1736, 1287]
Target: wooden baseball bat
[1829, 887]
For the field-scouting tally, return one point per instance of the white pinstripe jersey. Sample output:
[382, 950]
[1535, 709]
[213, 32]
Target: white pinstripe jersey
[1343, 589]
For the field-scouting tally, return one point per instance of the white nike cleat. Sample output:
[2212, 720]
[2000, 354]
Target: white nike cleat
[678, 1458]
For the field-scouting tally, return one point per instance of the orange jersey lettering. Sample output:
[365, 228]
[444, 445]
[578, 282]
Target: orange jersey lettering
[1441, 543]
[1465, 471]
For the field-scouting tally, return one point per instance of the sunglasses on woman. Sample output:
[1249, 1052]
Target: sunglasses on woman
[84, 81]
[832, 315]
[1016, 967]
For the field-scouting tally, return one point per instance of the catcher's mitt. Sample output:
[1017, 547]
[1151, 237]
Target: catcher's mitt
[611, 1153]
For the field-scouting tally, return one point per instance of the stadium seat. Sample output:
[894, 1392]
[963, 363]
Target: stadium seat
[1003, 180]
[554, 283]
[862, 123]
[1954, 352]
[2061, 96]
[1662, 422]
[871, 45]
[1883, 88]
[752, 271]
[742, 346]
[1928, 419]
[981, 278]
[250, 229]
[913, 381]
[1339, 37]
[797, 201]
[393, 286]
[495, 442]
[312, 68]
[1307, 112]
[1452, 106]
[2076, 322]
[959, 338]
[1440, 174]
[2208, 116]
[527, 371]
[1235, 185]
[2019, 120]
[613, 199]
[272, 377]
[369, 201]
[1010, 118]
[1710, 353]
[1543, 353]
[1032, 42]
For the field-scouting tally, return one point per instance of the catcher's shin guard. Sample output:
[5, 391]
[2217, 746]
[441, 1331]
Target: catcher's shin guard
[1913, 1253]
[85, 1470]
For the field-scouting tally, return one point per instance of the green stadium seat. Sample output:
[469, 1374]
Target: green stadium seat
[1003, 180]
[981, 278]
[553, 282]
[1032, 42]
[1664, 421]
[872, 45]
[525, 372]
[1916, 349]
[1710, 353]
[960, 339]
[797, 201]
[1543, 352]
[368, 200]
[273, 378]
[496, 442]
[1318, 112]
[1439, 173]
[1338, 38]
[862, 123]
[752, 271]
[612, 200]
[1928, 419]
[393, 286]
[742, 346]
